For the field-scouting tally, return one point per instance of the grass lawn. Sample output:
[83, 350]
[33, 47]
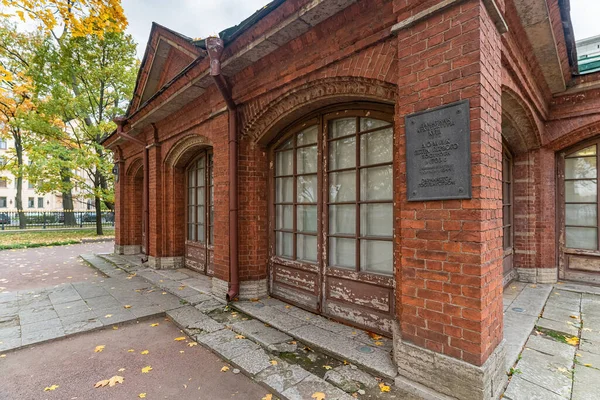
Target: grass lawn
[24, 240]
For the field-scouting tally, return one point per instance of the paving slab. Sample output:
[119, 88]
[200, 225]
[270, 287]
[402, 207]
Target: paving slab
[565, 327]
[189, 318]
[551, 372]
[521, 389]
[253, 362]
[562, 351]
[282, 376]
[531, 300]
[41, 336]
[263, 335]
[40, 326]
[311, 384]
[350, 379]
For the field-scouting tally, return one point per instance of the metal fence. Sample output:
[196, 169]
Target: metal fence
[12, 220]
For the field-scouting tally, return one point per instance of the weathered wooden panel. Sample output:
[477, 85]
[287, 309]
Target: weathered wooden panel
[372, 321]
[588, 264]
[195, 257]
[300, 279]
[210, 267]
[293, 295]
[364, 295]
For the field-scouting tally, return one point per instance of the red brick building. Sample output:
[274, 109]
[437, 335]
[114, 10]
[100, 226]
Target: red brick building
[275, 161]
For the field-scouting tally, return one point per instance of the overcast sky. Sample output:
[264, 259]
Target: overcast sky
[201, 18]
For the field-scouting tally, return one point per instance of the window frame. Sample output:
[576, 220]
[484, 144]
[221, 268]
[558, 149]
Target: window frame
[508, 157]
[567, 154]
[5, 202]
[322, 118]
[208, 224]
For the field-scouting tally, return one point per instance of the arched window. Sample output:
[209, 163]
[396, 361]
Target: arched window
[200, 208]
[332, 215]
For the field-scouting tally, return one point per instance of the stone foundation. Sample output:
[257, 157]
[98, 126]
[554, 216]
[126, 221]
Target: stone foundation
[253, 289]
[435, 376]
[219, 288]
[165, 262]
[128, 250]
[538, 275]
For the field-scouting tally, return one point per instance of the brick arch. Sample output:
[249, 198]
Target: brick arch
[575, 135]
[263, 122]
[519, 129]
[185, 150]
[135, 166]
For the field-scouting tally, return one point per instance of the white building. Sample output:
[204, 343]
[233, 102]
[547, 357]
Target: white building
[589, 47]
[32, 200]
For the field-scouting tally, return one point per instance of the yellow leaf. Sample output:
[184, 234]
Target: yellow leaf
[179, 339]
[573, 316]
[156, 324]
[145, 352]
[273, 362]
[578, 355]
[99, 349]
[318, 396]
[50, 388]
[378, 343]
[121, 369]
[587, 365]
[288, 306]
[268, 397]
[383, 387]
[110, 382]
[142, 395]
[225, 369]
[327, 367]
[374, 336]
[115, 328]
[147, 369]
[240, 337]
[108, 316]
[127, 306]
[574, 341]
[130, 350]
[192, 344]
[181, 351]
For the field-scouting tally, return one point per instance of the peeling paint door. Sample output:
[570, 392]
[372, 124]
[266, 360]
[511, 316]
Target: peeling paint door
[200, 214]
[332, 217]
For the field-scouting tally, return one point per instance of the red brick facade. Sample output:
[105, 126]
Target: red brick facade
[413, 55]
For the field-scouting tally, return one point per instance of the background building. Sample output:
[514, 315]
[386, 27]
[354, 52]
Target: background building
[588, 54]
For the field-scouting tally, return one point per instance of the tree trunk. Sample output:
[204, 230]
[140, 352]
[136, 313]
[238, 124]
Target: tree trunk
[19, 198]
[98, 215]
[68, 208]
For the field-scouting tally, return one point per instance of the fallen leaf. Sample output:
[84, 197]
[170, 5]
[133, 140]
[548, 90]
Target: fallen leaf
[99, 349]
[121, 369]
[142, 395]
[574, 341]
[144, 352]
[225, 369]
[108, 316]
[181, 287]
[164, 292]
[345, 362]
[327, 367]
[268, 397]
[192, 344]
[126, 306]
[318, 396]
[147, 369]
[573, 316]
[254, 300]
[374, 336]
[50, 388]
[115, 328]
[378, 343]
[288, 306]
[179, 339]
[156, 324]
[130, 350]
[587, 365]
[293, 342]
[383, 387]
[273, 362]
[181, 351]
[110, 382]
[240, 337]
[578, 355]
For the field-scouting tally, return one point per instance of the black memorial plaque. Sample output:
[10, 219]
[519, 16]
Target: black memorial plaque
[438, 153]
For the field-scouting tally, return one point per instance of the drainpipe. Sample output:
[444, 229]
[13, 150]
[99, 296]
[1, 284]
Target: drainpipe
[146, 190]
[215, 47]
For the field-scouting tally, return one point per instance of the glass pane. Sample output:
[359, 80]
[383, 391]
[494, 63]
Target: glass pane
[306, 248]
[211, 215]
[191, 199]
[284, 217]
[506, 217]
[376, 147]
[581, 214]
[288, 144]
[201, 214]
[200, 162]
[191, 232]
[376, 220]
[342, 153]
[367, 124]
[580, 191]
[307, 160]
[342, 127]
[342, 220]
[308, 136]
[578, 168]
[507, 237]
[212, 235]
[588, 151]
[201, 198]
[342, 186]
[284, 190]
[376, 183]
[192, 177]
[376, 256]
[342, 253]
[192, 214]
[307, 189]
[200, 235]
[582, 238]
[307, 219]
[284, 244]
[284, 163]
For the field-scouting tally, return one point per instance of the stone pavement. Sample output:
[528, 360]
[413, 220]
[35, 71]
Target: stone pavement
[561, 357]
